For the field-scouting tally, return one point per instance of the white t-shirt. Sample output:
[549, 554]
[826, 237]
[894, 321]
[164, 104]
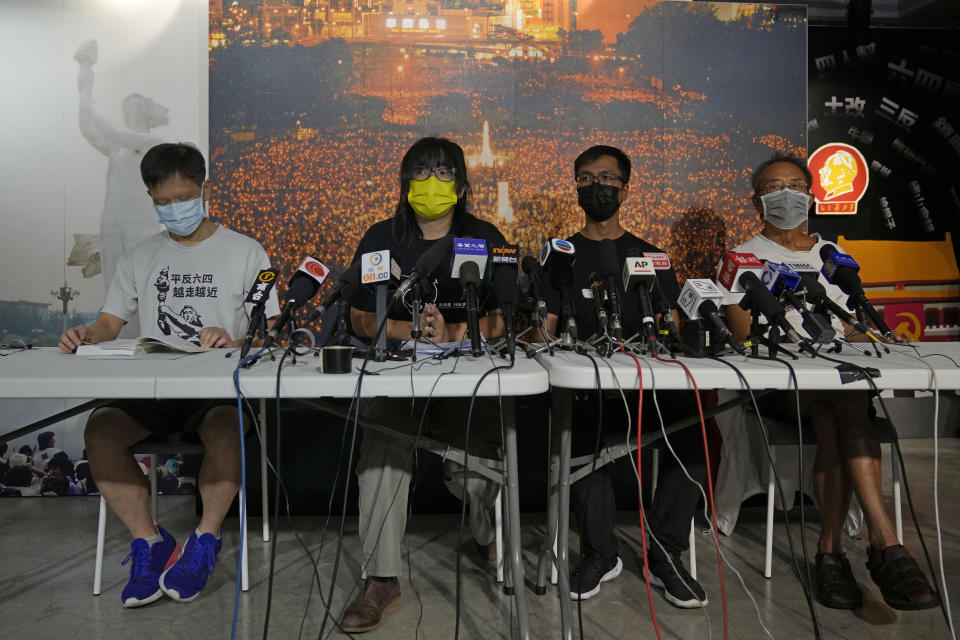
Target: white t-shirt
[179, 289]
[41, 458]
[766, 249]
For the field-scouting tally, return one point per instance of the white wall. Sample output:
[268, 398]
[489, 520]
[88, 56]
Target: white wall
[52, 181]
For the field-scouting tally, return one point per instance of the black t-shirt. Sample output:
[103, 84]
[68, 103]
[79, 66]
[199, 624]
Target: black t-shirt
[587, 261]
[445, 291]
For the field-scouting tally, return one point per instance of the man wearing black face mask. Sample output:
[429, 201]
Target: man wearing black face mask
[602, 174]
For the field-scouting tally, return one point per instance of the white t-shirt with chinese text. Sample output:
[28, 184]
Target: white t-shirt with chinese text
[178, 289]
[766, 249]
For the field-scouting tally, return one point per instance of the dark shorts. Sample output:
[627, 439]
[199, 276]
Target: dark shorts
[164, 417]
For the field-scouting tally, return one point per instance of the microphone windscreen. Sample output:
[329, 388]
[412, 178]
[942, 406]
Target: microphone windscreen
[826, 250]
[469, 274]
[505, 281]
[433, 257]
[302, 287]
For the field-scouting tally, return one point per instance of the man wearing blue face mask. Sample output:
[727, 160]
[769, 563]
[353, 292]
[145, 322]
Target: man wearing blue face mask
[190, 282]
[848, 452]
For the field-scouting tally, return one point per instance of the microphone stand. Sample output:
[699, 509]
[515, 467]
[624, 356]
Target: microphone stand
[415, 331]
[473, 320]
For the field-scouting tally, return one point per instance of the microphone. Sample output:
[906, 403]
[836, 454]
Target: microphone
[303, 285]
[697, 300]
[817, 294]
[735, 264]
[469, 250]
[781, 280]
[639, 276]
[597, 293]
[661, 262]
[505, 259]
[608, 269]
[841, 269]
[426, 264]
[258, 295]
[557, 257]
[760, 299]
[534, 280]
[349, 281]
[469, 276]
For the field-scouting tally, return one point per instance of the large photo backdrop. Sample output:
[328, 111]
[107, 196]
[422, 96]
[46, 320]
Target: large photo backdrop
[312, 107]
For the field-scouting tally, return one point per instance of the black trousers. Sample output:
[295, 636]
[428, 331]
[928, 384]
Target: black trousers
[593, 499]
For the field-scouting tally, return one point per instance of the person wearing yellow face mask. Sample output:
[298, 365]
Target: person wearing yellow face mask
[433, 199]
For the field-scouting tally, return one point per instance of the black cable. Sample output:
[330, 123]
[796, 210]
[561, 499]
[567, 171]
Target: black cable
[276, 500]
[895, 437]
[593, 468]
[413, 450]
[776, 478]
[346, 485]
[818, 633]
[463, 506]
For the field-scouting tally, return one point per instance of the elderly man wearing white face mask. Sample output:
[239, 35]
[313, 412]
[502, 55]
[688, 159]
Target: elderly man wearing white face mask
[848, 452]
[190, 282]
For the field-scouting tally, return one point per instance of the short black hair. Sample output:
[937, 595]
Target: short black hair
[430, 152]
[43, 440]
[165, 160]
[779, 156]
[598, 150]
[26, 450]
[3, 448]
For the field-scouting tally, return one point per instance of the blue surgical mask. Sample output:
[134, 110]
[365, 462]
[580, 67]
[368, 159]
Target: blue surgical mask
[786, 209]
[182, 218]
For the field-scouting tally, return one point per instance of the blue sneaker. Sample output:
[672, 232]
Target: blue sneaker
[188, 576]
[146, 564]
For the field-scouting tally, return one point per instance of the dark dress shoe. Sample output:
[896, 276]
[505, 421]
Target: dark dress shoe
[836, 586]
[377, 598]
[902, 584]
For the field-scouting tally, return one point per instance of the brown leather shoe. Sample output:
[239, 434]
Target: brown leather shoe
[487, 552]
[377, 598]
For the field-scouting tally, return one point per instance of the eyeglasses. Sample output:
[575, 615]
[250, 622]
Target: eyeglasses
[609, 179]
[777, 185]
[444, 174]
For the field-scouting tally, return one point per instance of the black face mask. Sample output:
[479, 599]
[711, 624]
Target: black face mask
[599, 201]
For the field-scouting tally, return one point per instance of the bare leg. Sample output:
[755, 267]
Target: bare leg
[219, 478]
[108, 436]
[861, 453]
[829, 478]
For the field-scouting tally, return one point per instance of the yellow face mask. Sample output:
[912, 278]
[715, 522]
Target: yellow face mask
[432, 198]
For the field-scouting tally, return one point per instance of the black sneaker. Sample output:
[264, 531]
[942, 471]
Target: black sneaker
[680, 590]
[585, 580]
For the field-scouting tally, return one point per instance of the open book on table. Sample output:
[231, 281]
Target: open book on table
[145, 344]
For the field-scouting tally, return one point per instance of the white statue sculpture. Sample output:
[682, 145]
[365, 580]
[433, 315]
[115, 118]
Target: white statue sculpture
[128, 216]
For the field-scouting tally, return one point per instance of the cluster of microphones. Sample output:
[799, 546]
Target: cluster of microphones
[767, 290]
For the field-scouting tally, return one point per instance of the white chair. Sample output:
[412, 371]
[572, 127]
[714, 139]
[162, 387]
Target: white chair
[152, 448]
[784, 434]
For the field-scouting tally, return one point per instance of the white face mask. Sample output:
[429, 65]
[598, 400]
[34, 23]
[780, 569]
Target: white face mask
[182, 218]
[786, 209]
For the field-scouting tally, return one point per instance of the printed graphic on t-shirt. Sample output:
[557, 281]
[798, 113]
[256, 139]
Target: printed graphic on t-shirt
[428, 294]
[187, 322]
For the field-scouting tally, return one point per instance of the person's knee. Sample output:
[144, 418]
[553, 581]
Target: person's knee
[110, 427]
[219, 427]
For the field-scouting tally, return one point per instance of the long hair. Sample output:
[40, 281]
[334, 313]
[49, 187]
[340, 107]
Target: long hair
[430, 152]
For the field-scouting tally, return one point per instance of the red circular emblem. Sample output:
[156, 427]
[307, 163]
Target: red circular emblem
[840, 178]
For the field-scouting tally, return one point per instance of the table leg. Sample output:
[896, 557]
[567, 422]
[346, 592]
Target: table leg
[546, 561]
[560, 419]
[264, 485]
[513, 525]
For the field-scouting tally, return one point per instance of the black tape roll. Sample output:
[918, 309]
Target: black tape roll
[337, 359]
